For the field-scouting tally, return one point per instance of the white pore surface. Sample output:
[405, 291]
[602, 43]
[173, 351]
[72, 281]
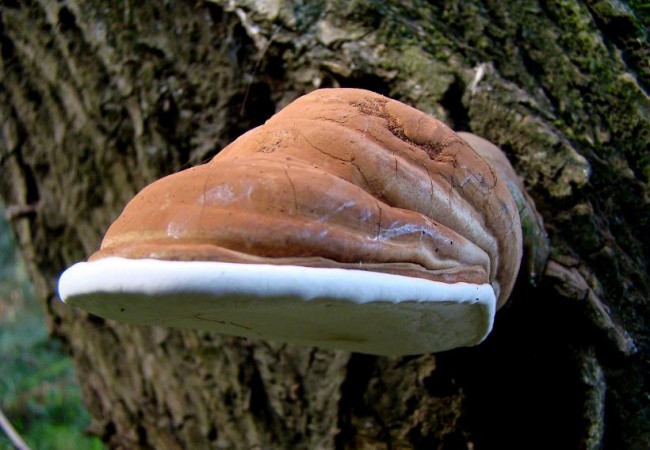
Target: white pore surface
[356, 310]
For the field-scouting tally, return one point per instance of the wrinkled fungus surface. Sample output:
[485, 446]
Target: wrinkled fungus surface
[348, 220]
[340, 178]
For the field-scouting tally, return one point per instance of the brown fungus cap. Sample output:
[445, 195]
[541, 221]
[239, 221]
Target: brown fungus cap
[341, 178]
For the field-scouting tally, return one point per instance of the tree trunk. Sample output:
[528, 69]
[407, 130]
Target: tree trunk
[96, 101]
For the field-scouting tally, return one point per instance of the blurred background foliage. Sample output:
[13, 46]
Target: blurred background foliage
[642, 10]
[38, 390]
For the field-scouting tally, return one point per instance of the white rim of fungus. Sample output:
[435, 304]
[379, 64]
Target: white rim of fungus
[358, 310]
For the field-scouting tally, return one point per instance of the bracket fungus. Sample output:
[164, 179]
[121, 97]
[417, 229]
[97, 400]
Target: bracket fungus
[348, 220]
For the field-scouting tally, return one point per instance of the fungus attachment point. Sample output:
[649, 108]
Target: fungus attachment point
[348, 220]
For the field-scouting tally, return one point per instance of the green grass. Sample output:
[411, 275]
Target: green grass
[38, 391]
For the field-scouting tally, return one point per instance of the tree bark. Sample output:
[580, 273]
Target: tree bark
[96, 101]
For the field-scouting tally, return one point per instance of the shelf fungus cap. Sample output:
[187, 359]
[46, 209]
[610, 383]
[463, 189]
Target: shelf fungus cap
[348, 220]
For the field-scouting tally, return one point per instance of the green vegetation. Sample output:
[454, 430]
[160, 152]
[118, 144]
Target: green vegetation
[38, 390]
[641, 9]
